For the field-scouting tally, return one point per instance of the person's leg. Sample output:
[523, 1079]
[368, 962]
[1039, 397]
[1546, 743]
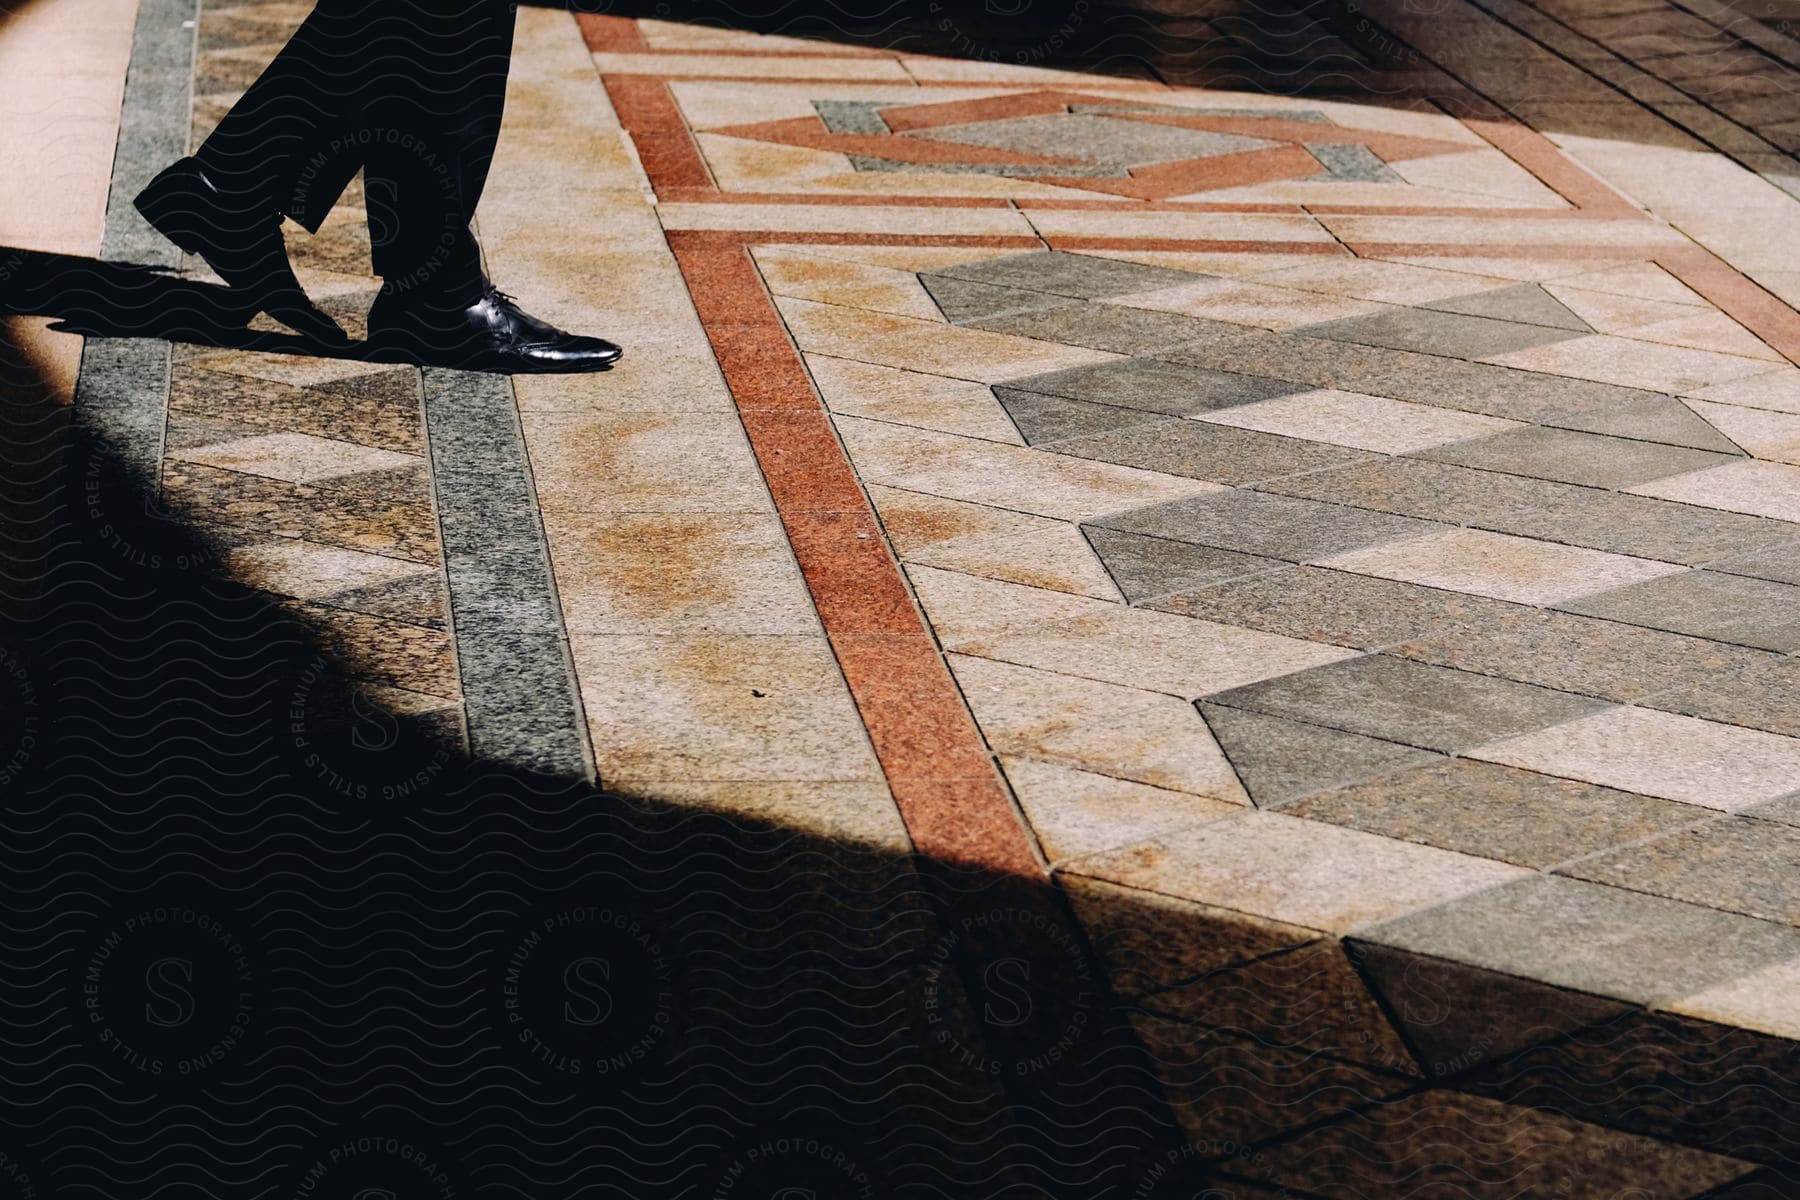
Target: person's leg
[430, 145]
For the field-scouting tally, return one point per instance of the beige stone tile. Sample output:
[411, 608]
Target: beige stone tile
[307, 570]
[1499, 565]
[295, 457]
[906, 258]
[993, 543]
[643, 462]
[839, 281]
[1224, 227]
[1522, 270]
[1608, 359]
[1763, 1001]
[1759, 488]
[1610, 313]
[1222, 262]
[1712, 331]
[1778, 390]
[1122, 732]
[1770, 435]
[677, 573]
[1353, 419]
[1327, 194]
[752, 66]
[962, 605]
[1383, 282]
[1050, 485]
[929, 346]
[906, 184]
[1076, 813]
[847, 218]
[1247, 303]
[1500, 232]
[663, 370]
[1637, 281]
[748, 165]
[1660, 754]
[719, 708]
[1486, 175]
[282, 368]
[980, 70]
[860, 813]
[1301, 872]
[1132, 647]
[937, 402]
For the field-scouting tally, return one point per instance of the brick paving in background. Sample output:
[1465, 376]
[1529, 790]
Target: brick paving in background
[1363, 530]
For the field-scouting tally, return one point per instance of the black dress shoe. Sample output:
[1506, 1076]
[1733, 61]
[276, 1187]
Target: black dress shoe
[491, 334]
[241, 242]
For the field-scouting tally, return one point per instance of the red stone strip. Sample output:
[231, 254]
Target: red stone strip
[1195, 245]
[1554, 169]
[613, 35]
[678, 195]
[1737, 297]
[997, 241]
[1497, 250]
[943, 778]
[665, 146]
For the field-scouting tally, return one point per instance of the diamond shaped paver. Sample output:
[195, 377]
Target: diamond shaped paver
[1425, 331]
[1259, 523]
[1402, 701]
[1708, 604]
[1564, 455]
[1057, 271]
[1156, 386]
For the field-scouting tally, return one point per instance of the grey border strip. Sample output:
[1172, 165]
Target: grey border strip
[122, 391]
[518, 682]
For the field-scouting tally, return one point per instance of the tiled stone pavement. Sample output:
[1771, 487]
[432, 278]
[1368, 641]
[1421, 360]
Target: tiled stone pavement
[1352, 547]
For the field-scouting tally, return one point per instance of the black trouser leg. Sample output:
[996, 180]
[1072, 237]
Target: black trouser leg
[412, 90]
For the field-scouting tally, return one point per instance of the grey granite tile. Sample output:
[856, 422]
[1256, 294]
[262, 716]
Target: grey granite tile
[1278, 760]
[1457, 1017]
[1041, 418]
[1598, 939]
[1737, 864]
[1762, 691]
[1414, 487]
[1707, 604]
[1083, 276]
[1095, 138]
[1260, 523]
[1579, 654]
[1526, 303]
[1423, 331]
[1786, 810]
[1225, 1091]
[1780, 563]
[852, 116]
[1156, 386]
[1322, 605]
[1150, 942]
[1145, 567]
[1447, 1144]
[1351, 162]
[1589, 459]
[1308, 999]
[1217, 453]
[1113, 328]
[1723, 1089]
[1495, 812]
[1645, 416]
[963, 301]
[1409, 702]
[1642, 526]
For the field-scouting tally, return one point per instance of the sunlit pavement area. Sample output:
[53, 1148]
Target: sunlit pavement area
[1318, 494]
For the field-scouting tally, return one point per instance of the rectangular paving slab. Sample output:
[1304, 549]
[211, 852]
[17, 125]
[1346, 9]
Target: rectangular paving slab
[1259, 523]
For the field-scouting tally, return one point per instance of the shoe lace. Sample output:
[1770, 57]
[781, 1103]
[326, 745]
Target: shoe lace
[501, 298]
